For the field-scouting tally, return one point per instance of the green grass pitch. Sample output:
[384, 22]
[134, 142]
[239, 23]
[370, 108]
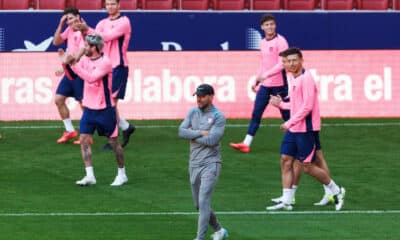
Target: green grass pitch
[39, 199]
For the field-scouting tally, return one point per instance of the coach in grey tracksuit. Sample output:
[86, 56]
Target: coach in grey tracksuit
[204, 127]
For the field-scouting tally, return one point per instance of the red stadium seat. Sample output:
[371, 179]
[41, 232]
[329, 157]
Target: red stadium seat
[51, 4]
[337, 4]
[299, 4]
[193, 4]
[15, 4]
[158, 4]
[87, 4]
[128, 4]
[265, 4]
[372, 4]
[396, 4]
[228, 4]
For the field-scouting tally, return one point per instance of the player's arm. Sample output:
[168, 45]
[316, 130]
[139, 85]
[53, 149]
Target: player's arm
[213, 137]
[117, 31]
[59, 38]
[308, 102]
[277, 101]
[93, 75]
[277, 68]
[185, 129]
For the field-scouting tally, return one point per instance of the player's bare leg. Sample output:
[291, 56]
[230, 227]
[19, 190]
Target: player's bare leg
[86, 151]
[121, 177]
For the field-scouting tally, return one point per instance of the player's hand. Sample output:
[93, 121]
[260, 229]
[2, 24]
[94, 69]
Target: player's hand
[82, 27]
[283, 127]
[63, 19]
[204, 133]
[59, 72]
[275, 100]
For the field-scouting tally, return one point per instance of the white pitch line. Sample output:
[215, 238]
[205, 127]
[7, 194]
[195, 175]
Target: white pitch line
[370, 124]
[365, 212]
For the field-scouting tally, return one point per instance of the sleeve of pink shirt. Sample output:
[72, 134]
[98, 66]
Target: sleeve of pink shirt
[308, 95]
[64, 35]
[277, 68]
[93, 75]
[116, 32]
[284, 105]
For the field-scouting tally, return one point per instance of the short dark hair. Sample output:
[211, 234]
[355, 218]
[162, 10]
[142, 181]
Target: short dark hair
[73, 10]
[267, 17]
[291, 51]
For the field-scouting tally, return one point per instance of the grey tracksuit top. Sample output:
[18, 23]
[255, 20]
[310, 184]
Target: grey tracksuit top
[203, 150]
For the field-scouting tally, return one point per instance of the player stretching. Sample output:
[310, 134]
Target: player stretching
[99, 108]
[116, 32]
[299, 142]
[68, 88]
[204, 127]
[270, 77]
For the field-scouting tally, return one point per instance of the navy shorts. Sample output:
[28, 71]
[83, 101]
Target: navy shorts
[104, 121]
[119, 81]
[71, 88]
[301, 146]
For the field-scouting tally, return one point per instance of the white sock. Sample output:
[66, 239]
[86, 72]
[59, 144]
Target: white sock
[287, 196]
[247, 140]
[68, 125]
[121, 171]
[294, 188]
[327, 190]
[123, 124]
[89, 171]
[333, 187]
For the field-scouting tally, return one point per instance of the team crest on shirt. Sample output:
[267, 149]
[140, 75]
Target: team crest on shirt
[271, 49]
[210, 120]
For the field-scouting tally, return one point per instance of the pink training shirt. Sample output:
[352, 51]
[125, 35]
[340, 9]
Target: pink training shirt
[116, 34]
[97, 74]
[304, 105]
[271, 64]
[74, 40]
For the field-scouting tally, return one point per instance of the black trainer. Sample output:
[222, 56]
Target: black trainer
[126, 134]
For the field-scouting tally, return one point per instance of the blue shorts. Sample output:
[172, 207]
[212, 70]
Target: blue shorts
[301, 146]
[119, 81]
[104, 121]
[317, 141]
[71, 88]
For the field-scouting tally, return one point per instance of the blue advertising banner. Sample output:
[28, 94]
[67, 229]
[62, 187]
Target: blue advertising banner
[169, 31]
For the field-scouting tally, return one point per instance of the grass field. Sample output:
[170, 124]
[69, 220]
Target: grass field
[39, 200]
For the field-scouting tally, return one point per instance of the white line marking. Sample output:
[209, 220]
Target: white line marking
[366, 212]
[370, 124]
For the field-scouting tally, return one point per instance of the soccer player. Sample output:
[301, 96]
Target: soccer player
[299, 142]
[270, 77]
[319, 157]
[68, 88]
[204, 126]
[116, 32]
[99, 108]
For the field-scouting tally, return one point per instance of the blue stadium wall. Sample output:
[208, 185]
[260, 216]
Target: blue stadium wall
[32, 31]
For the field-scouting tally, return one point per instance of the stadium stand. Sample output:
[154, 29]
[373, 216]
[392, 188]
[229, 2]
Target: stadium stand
[128, 4]
[51, 4]
[337, 4]
[299, 4]
[265, 4]
[15, 5]
[396, 4]
[87, 4]
[372, 4]
[228, 4]
[157, 4]
[193, 4]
